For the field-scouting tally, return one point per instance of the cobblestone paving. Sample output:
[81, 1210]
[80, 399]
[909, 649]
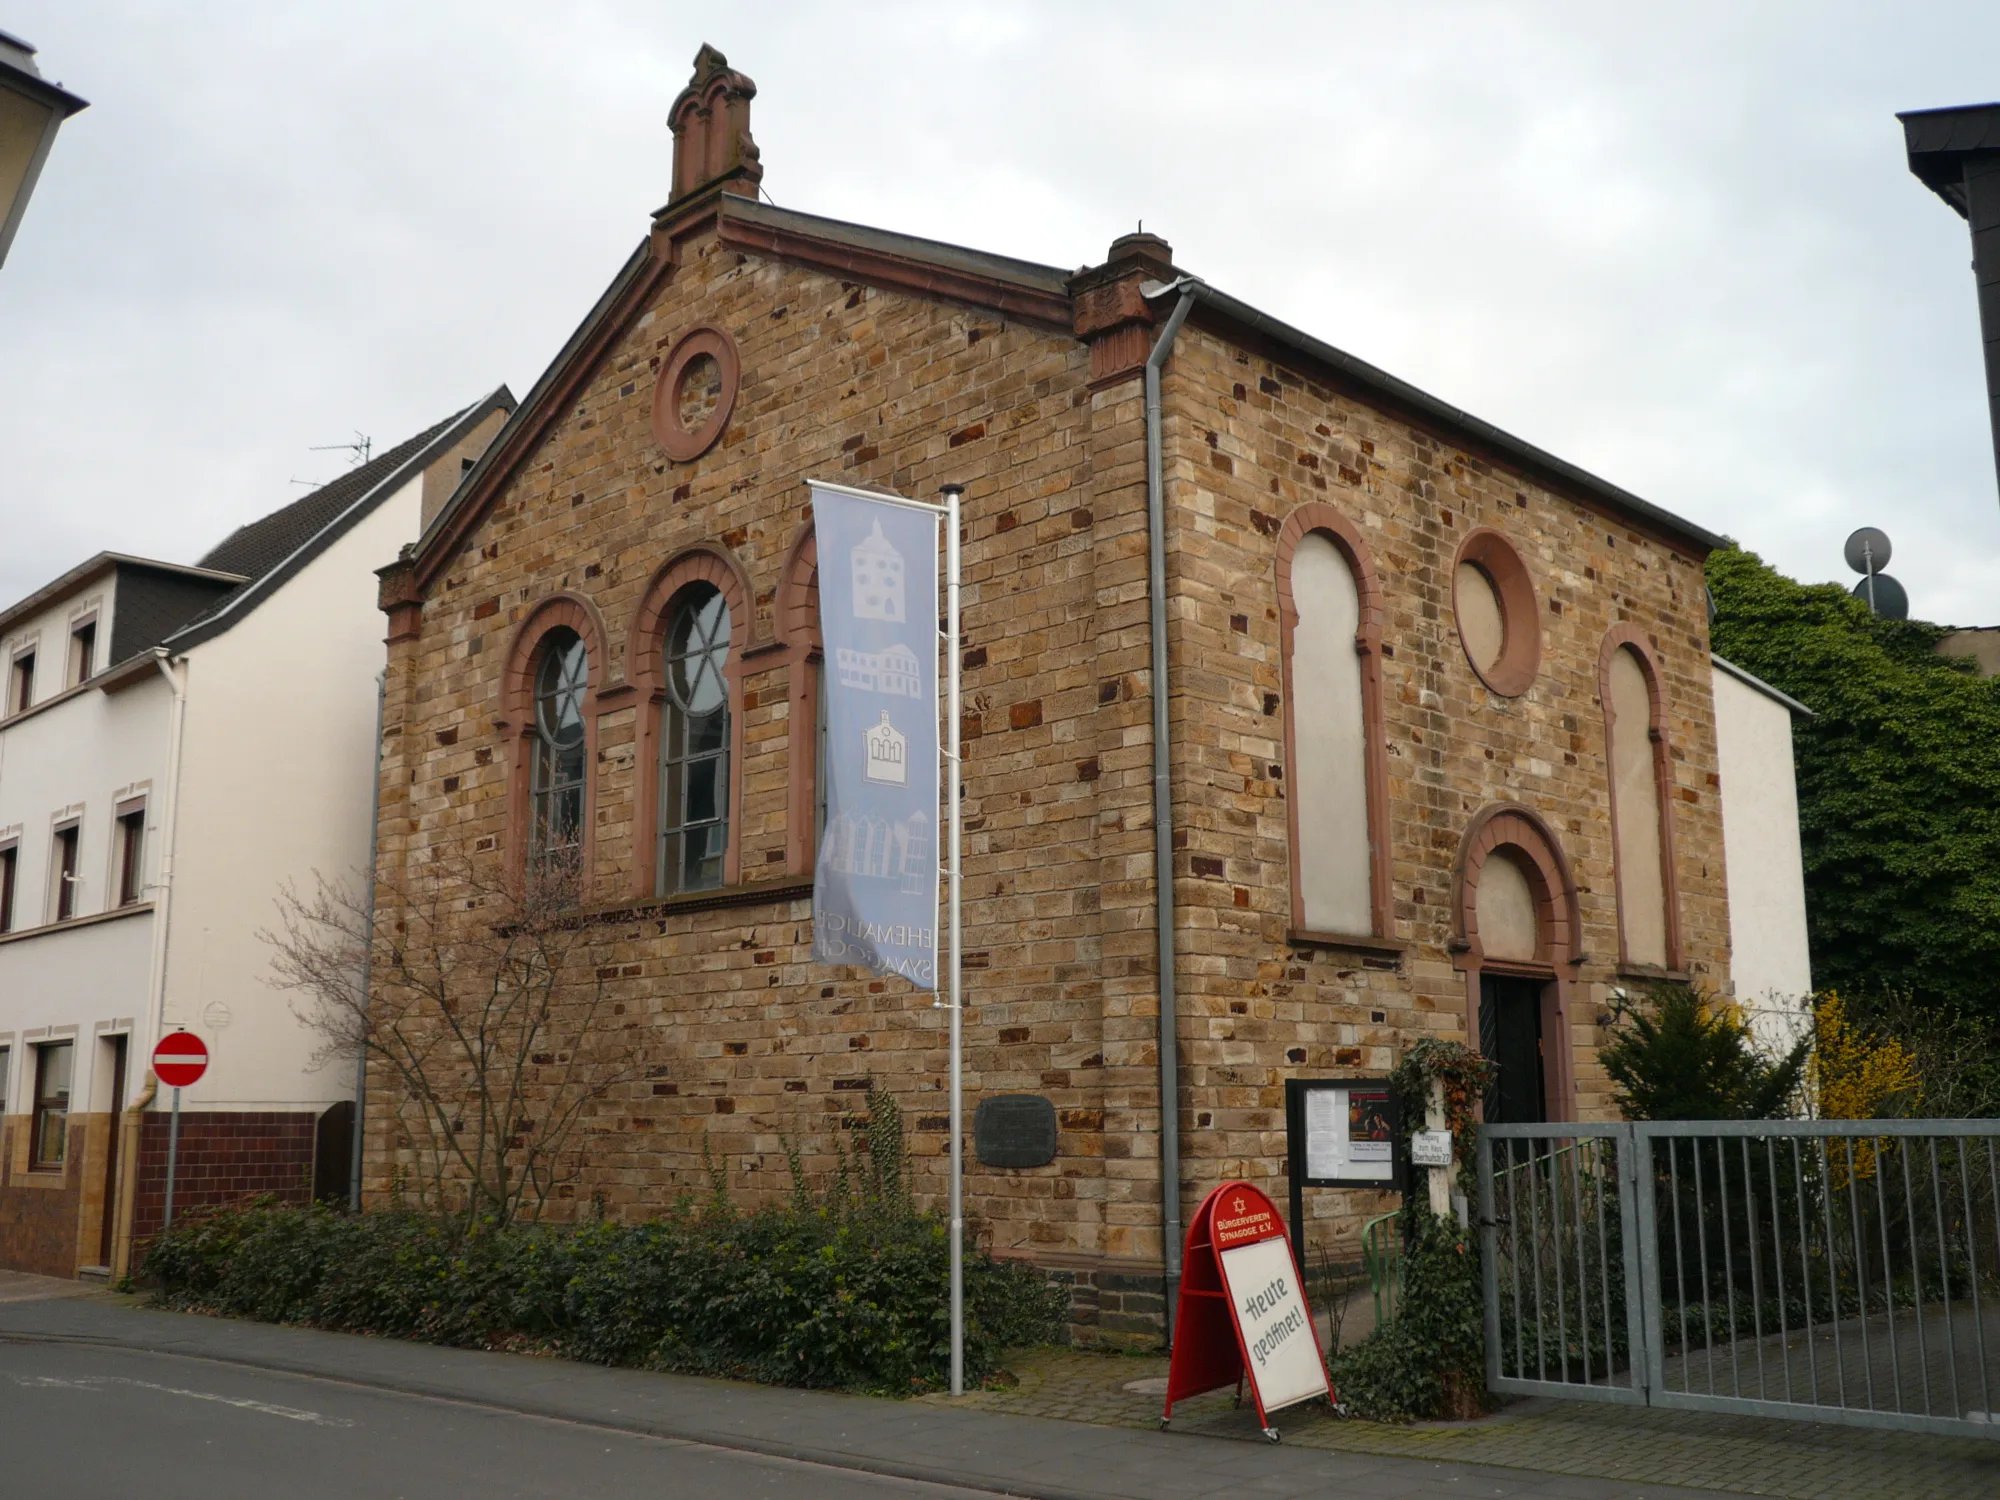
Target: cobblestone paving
[1742, 1455]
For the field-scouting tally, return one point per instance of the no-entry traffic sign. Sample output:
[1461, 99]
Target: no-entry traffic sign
[180, 1059]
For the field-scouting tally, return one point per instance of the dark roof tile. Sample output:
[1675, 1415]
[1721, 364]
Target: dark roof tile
[255, 549]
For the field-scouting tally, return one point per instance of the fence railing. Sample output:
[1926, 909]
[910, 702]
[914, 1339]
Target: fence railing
[1840, 1270]
[1382, 1258]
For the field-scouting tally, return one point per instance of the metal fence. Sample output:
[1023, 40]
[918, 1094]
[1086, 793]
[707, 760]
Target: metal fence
[1844, 1271]
[1382, 1258]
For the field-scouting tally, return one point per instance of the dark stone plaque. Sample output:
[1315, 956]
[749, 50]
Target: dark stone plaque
[1014, 1130]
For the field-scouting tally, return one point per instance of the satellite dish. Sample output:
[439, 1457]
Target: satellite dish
[1884, 595]
[1868, 550]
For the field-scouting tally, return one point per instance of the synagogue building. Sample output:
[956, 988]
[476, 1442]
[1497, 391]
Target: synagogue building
[1440, 753]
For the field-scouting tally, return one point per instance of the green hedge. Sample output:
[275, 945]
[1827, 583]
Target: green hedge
[796, 1296]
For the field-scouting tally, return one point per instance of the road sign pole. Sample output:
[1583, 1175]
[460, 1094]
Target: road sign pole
[173, 1159]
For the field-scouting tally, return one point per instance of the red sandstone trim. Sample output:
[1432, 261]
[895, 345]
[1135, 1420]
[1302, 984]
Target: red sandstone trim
[896, 274]
[516, 722]
[681, 444]
[644, 653]
[1344, 535]
[798, 624]
[1617, 638]
[525, 433]
[1558, 934]
[1521, 644]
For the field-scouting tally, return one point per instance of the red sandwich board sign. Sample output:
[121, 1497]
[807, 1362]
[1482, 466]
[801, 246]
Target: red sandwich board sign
[1242, 1310]
[180, 1059]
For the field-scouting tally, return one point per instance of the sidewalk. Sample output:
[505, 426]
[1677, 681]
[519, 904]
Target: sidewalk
[924, 1440]
[1739, 1455]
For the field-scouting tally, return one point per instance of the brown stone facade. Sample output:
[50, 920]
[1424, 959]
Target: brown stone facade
[856, 364]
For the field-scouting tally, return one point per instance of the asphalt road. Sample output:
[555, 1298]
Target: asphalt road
[85, 1422]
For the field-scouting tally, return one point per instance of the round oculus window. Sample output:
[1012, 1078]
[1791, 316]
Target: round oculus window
[1493, 602]
[695, 393]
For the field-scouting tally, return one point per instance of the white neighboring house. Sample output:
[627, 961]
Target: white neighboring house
[176, 743]
[1770, 965]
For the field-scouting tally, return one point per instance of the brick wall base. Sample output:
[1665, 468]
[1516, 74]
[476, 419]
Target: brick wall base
[1110, 1306]
[224, 1158]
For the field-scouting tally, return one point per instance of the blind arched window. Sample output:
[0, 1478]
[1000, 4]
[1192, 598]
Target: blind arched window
[1330, 766]
[562, 680]
[694, 743]
[1642, 833]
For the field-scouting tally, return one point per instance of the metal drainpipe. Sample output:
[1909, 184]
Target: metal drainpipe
[1163, 803]
[176, 675]
[368, 957]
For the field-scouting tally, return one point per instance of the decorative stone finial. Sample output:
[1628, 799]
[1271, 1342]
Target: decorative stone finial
[711, 125]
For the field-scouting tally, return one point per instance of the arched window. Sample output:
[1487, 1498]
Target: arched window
[1640, 785]
[562, 682]
[694, 743]
[1334, 764]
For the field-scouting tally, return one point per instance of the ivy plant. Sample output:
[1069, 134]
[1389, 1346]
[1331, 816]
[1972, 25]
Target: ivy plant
[1899, 785]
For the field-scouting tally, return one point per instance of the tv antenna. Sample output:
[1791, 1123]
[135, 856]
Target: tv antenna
[362, 444]
[360, 448]
[1867, 551]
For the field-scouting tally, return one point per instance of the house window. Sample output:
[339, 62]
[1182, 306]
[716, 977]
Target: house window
[21, 684]
[50, 1137]
[6, 1068]
[562, 680]
[82, 652]
[62, 870]
[10, 861]
[1642, 839]
[131, 856]
[694, 743]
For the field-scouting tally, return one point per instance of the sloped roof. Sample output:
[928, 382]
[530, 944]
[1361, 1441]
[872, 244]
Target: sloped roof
[268, 552]
[254, 549]
[1014, 288]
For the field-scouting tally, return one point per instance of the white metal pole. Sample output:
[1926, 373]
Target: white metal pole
[951, 497]
[173, 1160]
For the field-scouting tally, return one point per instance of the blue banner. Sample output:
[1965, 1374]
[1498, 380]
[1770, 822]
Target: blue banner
[875, 885]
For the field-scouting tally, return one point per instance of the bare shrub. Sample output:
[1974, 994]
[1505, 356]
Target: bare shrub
[478, 996]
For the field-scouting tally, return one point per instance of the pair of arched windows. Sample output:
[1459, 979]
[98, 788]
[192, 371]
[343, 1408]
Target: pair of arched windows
[692, 770]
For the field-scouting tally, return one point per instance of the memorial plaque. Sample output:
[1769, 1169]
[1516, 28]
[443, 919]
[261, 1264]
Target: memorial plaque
[1014, 1130]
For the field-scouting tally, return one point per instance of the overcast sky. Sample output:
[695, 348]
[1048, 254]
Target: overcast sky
[1676, 244]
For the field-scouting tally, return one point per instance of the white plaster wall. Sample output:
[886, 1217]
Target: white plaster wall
[1770, 965]
[75, 984]
[81, 754]
[277, 783]
[49, 631]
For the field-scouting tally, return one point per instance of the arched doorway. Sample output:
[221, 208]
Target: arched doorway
[1517, 941]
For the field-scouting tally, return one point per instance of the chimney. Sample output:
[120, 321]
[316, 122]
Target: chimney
[1956, 154]
[1111, 313]
[711, 125]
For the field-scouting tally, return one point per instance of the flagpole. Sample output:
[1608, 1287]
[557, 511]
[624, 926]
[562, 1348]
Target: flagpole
[951, 494]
